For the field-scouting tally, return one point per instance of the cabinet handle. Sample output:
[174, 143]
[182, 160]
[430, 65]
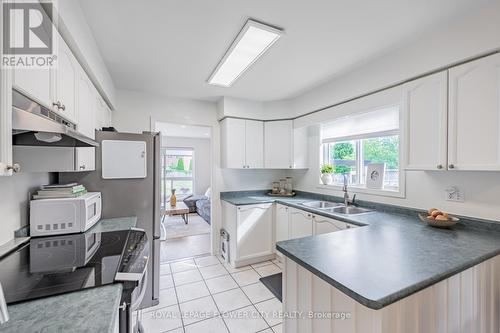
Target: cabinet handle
[58, 104]
[63, 107]
[451, 166]
[440, 166]
[82, 167]
[14, 167]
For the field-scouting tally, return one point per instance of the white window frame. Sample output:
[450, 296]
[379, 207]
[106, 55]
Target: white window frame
[400, 192]
[172, 179]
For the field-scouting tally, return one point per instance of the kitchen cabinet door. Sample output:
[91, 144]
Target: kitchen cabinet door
[66, 81]
[85, 158]
[34, 83]
[300, 148]
[233, 143]
[86, 105]
[324, 225]
[254, 144]
[282, 222]
[425, 103]
[300, 224]
[278, 140]
[474, 115]
[254, 231]
[5, 113]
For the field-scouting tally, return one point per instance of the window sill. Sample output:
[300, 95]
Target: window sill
[363, 190]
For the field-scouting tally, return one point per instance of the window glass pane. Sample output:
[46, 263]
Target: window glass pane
[342, 156]
[182, 187]
[179, 165]
[383, 150]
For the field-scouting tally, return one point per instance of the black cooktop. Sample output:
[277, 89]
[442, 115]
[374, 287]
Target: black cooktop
[47, 266]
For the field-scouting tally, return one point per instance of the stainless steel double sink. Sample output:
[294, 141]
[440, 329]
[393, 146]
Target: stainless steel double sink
[335, 207]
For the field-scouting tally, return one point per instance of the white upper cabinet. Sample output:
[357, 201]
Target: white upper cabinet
[300, 148]
[66, 81]
[425, 104]
[233, 143]
[278, 144]
[86, 105]
[85, 158]
[254, 144]
[35, 83]
[474, 115]
[242, 143]
[258, 144]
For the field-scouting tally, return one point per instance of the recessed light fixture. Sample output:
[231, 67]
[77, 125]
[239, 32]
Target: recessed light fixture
[252, 42]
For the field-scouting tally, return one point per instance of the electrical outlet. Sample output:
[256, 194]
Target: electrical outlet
[453, 193]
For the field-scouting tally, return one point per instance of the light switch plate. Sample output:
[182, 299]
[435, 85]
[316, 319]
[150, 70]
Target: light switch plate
[453, 193]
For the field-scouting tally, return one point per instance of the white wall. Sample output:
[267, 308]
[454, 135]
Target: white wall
[202, 159]
[78, 35]
[455, 41]
[14, 191]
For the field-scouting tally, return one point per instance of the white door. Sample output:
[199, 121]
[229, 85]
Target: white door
[66, 81]
[254, 144]
[233, 143]
[474, 115]
[426, 111]
[86, 106]
[324, 225]
[282, 222]
[85, 158]
[300, 224]
[254, 231]
[278, 141]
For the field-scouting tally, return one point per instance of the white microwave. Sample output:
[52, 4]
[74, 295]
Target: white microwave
[64, 215]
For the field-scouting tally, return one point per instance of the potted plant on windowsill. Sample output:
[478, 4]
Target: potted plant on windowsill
[326, 174]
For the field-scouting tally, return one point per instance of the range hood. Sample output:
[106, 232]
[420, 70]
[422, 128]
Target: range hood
[35, 125]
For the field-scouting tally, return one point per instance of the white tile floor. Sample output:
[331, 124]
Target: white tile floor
[205, 295]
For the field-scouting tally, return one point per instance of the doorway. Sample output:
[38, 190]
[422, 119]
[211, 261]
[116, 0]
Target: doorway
[186, 170]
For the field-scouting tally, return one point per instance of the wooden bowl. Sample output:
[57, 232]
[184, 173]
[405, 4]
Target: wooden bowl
[438, 223]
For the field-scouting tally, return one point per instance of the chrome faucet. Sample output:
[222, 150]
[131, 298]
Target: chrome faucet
[344, 188]
[346, 194]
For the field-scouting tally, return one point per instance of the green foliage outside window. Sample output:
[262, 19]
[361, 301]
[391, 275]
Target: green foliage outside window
[384, 149]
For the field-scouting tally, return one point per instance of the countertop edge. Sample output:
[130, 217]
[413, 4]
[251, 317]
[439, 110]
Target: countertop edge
[392, 298]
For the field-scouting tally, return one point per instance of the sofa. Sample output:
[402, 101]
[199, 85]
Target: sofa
[199, 204]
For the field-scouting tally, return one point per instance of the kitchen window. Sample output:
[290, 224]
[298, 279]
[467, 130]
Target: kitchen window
[177, 165]
[354, 142]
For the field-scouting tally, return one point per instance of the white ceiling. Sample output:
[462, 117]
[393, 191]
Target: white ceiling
[171, 47]
[182, 131]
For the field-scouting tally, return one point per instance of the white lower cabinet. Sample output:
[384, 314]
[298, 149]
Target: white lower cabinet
[251, 234]
[301, 224]
[282, 222]
[324, 225]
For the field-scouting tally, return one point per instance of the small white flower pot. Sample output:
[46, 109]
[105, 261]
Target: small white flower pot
[326, 178]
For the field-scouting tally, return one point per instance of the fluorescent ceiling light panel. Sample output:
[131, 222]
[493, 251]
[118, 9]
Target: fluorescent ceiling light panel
[250, 44]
